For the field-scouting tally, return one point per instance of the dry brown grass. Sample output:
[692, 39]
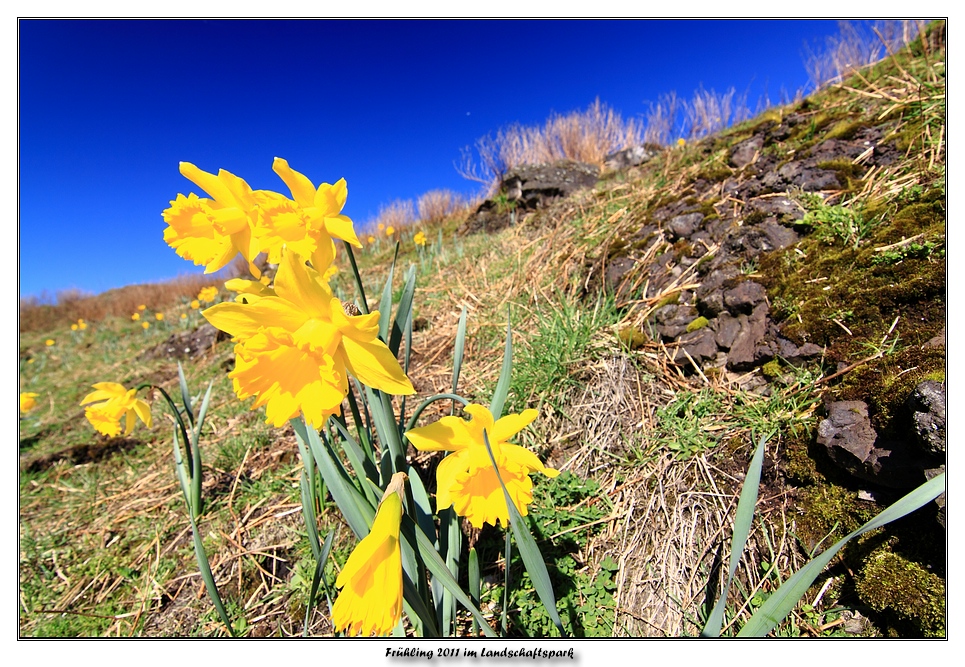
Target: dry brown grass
[436, 206]
[584, 136]
[39, 314]
[856, 46]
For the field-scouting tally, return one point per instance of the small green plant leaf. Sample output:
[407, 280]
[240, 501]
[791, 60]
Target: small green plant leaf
[502, 386]
[742, 528]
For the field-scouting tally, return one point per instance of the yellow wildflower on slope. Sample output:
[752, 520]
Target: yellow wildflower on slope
[465, 479]
[212, 231]
[109, 403]
[207, 294]
[296, 345]
[419, 239]
[28, 401]
[306, 224]
[371, 581]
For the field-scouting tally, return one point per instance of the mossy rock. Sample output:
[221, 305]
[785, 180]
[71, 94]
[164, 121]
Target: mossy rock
[891, 584]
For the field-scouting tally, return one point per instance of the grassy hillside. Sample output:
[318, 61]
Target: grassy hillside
[652, 446]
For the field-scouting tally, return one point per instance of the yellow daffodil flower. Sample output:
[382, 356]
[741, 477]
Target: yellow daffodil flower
[136, 316]
[207, 294]
[390, 230]
[195, 304]
[419, 238]
[371, 581]
[159, 316]
[111, 402]
[81, 324]
[184, 316]
[50, 342]
[305, 224]
[212, 231]
[296, 345]
[73, 327]
[381, 226]
[465, 479]
[370, 239]
[145, 325]
[28, 401]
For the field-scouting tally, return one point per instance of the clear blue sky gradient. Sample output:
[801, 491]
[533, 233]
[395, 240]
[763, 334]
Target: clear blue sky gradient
[107, 110]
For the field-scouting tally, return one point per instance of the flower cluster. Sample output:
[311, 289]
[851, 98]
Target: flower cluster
[296, 345]
[234, 219]
[109, 403]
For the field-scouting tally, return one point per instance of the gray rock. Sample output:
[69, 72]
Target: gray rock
[700, 345]
[744, 297]
[710, 294]
[672, 321]
[684, 225]
[630, 157]
[782, 208]
[726, 327]
[532, 186]
[927, 405]
[743, 352]
[745, 151]
[851, 442]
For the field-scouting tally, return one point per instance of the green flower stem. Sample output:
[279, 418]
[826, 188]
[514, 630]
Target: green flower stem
[426, 403]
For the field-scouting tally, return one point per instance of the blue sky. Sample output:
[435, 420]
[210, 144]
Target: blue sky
[107, 109]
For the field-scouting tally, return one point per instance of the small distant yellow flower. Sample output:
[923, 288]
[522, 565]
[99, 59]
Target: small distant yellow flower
[381, 226]
[419, 238]
[145, 325]
[208, 294]
[195, 304]
[73, 327]
[81, 324]
[50, 342]
[111, 402]
[681, 141]
[159, 316]
[136, 316]
[142, 307]
[390, 230]
[465, 479]
[28, 401]
[184, 316]
[30, 360]
[370, 239]
[370, 602]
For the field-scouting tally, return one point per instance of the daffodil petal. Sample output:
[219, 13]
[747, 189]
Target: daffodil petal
[213, 187]
[342, 227]
[143, 411]
[299, 284]
[449, 434]
[446, 473]
[247, 319]
[375, 365]
[509, 425]
[301, 188]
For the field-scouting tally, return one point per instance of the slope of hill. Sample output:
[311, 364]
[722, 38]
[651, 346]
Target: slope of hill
[774, 279]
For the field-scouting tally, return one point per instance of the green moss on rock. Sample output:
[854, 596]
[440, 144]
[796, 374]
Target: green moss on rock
[890, 583]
